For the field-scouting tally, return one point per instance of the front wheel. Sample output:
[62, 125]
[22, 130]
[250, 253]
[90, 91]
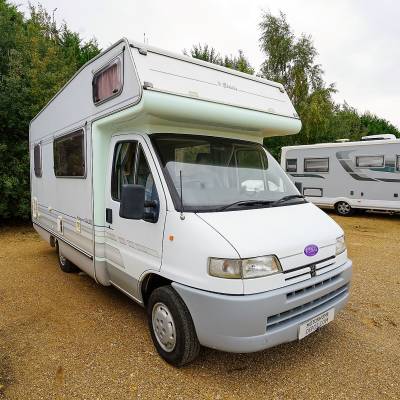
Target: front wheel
[344, 209]
[171, 327]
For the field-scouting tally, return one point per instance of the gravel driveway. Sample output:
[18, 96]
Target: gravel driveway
[65, 337]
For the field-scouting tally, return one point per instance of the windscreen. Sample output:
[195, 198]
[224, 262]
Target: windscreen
[212, 173]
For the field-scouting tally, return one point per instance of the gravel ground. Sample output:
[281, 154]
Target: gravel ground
[64, 337]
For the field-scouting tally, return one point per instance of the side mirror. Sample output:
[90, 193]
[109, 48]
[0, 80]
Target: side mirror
[132, 202]
[299, 187]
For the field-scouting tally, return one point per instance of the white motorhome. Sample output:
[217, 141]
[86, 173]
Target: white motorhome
[348, 175]
[149, 174]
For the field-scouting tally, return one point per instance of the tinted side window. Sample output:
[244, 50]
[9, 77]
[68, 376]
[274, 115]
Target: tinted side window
[370, 161]
[316, 165]
[69, 155]
[123, 167]
[291, 165]
[107, 82]
[144, 177]
[37, 160]
[397, 163]
[130, 166]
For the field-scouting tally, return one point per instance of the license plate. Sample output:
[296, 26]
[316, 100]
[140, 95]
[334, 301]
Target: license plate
[313, 324]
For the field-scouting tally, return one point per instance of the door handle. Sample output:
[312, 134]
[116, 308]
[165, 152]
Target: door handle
[109, 218]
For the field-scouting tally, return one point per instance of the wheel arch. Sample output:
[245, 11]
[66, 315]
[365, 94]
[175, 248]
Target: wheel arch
[150, 282]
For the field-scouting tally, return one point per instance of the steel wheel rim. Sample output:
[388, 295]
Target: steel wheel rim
[164, 327]
[344, 208]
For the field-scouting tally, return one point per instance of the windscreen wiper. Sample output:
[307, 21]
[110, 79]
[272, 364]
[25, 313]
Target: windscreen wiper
[287, 198]
[244, 203]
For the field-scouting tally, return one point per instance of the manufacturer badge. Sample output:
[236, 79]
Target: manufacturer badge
[311, 250]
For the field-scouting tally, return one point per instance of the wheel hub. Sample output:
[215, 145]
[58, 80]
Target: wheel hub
[344, 208]
[164, 327]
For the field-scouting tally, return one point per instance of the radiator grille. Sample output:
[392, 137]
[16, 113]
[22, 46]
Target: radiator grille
[308, 271]
[302, 311]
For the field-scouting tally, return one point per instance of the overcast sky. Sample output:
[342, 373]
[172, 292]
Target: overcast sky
[357, 40]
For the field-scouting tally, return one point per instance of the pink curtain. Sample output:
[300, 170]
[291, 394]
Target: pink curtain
[108, 82]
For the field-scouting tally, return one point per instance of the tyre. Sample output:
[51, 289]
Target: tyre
[344, 209]
[171, 327]
[65, 265]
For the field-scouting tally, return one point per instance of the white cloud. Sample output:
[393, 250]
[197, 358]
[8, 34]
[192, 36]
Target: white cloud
[357, 40]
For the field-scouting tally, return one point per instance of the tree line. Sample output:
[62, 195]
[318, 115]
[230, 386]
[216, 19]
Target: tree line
[291, 61]
[38, 57]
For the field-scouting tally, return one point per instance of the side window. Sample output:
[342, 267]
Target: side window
[69, 155]
[370, 161]
[397, 163]
[37, 160]
[130, 167]
[123, 171]
[291, 165]
[107, 82]
[316, 165]
[144, 177]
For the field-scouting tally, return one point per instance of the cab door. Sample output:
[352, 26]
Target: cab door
[133, 246]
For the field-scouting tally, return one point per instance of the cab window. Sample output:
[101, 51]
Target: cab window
[130, 166]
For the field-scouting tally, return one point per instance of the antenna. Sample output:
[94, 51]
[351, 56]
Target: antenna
[180, 180]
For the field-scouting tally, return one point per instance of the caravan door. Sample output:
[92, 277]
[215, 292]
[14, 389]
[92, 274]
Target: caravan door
[132, 246]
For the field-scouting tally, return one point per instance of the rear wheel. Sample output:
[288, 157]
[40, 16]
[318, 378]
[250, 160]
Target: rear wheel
[171, 327]
[65, 265]
[344, 209]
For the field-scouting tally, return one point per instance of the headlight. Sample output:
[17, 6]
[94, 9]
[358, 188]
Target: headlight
[340, 245]
[245, 268]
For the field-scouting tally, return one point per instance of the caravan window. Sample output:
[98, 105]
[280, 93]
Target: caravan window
[397, 163]
[291, 165]
[370, 161]
[69, 155]
[107, 83]
[316, 165]
[37, 160]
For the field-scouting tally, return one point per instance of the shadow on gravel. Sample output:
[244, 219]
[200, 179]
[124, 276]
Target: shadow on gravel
[5, 371]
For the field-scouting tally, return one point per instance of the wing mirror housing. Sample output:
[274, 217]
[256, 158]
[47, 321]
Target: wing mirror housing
[132, 202]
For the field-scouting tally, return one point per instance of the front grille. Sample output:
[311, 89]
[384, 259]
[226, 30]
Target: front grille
[305, 272]
[303, 311]
[300, 292]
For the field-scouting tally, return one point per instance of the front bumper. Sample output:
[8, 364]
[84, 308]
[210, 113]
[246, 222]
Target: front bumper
[248, 323]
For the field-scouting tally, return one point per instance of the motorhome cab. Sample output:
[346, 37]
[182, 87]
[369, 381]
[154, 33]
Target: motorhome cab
[149, 174]
[348, 175]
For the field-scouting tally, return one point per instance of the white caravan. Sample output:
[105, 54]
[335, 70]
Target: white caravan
[348, 175]
[149, 174]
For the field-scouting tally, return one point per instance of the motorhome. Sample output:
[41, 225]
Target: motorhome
[148, 173]
[348, 176]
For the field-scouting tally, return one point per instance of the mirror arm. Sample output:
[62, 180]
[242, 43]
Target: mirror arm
[151, 204]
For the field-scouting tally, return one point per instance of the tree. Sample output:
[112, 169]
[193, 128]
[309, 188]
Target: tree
[210, 54]
[40, 58]
[291, 61]
[371, 124]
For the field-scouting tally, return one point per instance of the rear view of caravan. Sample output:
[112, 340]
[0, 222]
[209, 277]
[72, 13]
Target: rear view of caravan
[148, 173]
[348, 175]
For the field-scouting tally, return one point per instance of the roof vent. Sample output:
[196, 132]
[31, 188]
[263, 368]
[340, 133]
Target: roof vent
[387, 136]
[342, 140]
